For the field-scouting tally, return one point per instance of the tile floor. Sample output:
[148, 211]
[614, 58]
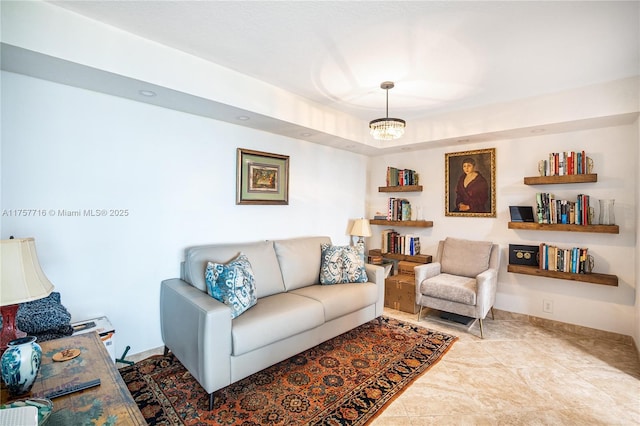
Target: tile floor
[526, 371]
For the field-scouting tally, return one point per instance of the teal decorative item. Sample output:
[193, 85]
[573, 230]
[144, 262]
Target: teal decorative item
[20, 364]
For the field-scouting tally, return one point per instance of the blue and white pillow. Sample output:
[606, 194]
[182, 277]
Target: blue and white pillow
[232, 284]
[342, 264]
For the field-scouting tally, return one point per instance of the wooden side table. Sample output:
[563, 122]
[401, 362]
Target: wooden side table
[107, 404]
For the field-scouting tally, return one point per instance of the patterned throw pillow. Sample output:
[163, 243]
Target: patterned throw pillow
[342, 264]
[232, 284]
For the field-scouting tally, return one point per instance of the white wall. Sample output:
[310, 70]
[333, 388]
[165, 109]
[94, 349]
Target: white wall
[636, 334]
[65, 148]
[615, 153]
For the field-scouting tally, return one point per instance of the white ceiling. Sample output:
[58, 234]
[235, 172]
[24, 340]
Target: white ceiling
[443, 56]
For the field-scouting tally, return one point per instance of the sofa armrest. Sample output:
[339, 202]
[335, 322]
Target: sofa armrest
[375, 274]
[197, 329]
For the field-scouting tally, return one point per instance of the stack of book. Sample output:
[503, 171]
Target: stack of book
[399, 209]
[572, 260]
[401, 177]
[393, 242]
[552, 210]
[566, 163]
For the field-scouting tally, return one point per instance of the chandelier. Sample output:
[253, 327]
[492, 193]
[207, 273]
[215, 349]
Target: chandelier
[387, 129]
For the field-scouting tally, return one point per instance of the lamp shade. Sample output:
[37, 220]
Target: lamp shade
[361, 228]
[21, 278]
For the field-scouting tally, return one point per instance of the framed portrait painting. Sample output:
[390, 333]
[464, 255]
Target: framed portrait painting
[262, 178]
[470, 183]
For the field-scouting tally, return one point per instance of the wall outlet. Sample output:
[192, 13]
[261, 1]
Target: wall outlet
[547, 306]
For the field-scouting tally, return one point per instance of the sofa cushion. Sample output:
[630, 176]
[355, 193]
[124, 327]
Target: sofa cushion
[274, 318]
[232, 284]
[465, 257]
[341, 264]
[261, 254]
[340, 300]
[299, 260]
[454, 288]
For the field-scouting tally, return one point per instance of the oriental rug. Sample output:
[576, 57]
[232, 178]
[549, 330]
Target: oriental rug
[347, 380]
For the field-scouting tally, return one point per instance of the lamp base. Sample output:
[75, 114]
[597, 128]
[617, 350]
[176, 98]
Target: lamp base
[9, 329]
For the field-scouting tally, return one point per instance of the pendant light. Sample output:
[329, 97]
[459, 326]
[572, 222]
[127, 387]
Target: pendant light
[387, 129]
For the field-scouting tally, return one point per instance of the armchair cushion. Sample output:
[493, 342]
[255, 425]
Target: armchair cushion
[454, 288]
[465, 257]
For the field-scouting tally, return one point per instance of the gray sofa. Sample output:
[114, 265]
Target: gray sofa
[293, 313]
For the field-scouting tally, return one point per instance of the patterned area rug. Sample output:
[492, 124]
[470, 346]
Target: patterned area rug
[344, 381]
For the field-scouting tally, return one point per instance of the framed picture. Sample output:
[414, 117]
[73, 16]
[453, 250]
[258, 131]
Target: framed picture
[262, 178]
[470, 183]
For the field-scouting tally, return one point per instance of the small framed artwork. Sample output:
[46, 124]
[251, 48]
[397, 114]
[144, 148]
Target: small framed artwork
[470, 183]
[262, 178]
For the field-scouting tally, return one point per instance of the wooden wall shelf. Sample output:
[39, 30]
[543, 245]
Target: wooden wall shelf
[419, 258]
[403, 188]
[410, 223]
[594, 278]
[553, 180]
[535, 226]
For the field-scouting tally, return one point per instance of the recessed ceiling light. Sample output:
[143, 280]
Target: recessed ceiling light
[242, 117]
[305, 134]
[147, 93]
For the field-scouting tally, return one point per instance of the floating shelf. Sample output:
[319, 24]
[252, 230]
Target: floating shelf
[593, 278]
[553, 180]
[402, 188]
[419, 258]
[411, 223]
[534, 226]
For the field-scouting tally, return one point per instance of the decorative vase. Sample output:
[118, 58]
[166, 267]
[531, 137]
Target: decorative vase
[20, 364]
[607, 216]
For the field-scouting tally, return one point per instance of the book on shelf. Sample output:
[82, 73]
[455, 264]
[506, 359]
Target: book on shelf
[401, 177]
[394, 242]
[399, 209]
[565, 163]
[555, 211]
[553, 258]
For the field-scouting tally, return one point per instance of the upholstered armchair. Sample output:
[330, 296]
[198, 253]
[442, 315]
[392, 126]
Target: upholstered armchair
[462, 279]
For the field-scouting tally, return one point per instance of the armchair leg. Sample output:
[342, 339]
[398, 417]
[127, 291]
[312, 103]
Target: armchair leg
[492, 317]
[211, 401]
[419, 312]
[481, 330]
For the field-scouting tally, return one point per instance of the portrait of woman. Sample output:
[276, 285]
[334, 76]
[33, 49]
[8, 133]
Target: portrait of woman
[470, 183]
[472, 190]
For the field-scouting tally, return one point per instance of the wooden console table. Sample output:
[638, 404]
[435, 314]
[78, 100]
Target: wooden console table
[109, 403]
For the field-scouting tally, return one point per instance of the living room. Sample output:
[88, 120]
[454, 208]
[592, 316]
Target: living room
[166, 177]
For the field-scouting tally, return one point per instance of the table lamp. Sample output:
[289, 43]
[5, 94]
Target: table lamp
[361, 228]
[21, 280]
